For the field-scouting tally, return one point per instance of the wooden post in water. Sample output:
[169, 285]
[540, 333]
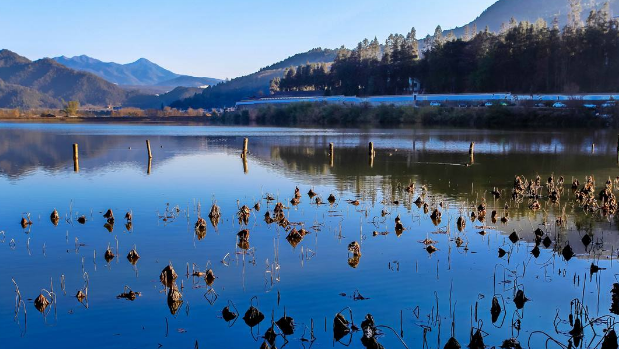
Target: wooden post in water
[150, 155]
[592, 148]
[245, 141]
[150, 163]
[76, 162]
[331, 154]
[245, 167]
[472, 153]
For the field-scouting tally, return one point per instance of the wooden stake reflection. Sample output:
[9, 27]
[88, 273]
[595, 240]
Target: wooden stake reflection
[371, 153]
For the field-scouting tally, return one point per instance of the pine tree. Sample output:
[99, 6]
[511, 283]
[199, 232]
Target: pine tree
[540, 24]
[467, 33]
[274, 87]
[573, 18]
[374, 50]
[513, 23]
[438, 37]
[503, 29]
[387, 51]
[555, 24]
[605, 12]
[412, 46]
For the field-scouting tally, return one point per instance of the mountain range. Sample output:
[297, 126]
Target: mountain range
[45, 83]
[139, 73]
[48, 82]
[37, 83]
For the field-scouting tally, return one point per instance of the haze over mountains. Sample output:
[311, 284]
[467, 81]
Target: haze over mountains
[46, 83]
[139, 73]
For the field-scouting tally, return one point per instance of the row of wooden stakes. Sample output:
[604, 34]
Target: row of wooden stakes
[372, 153]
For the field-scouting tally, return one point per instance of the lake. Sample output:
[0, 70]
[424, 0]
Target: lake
[421, 294]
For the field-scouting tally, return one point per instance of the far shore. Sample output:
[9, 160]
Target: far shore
[201, 120]
[321, 115]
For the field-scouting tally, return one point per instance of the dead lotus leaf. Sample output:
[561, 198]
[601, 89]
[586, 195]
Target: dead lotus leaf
[253, 316]
[133, 256]
[168, 275]
[41, 303]
[341, 327]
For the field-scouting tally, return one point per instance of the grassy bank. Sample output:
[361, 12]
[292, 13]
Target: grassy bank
[315, 114]
[331, 115]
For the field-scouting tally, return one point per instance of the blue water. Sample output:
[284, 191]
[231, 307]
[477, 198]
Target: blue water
[192, 167]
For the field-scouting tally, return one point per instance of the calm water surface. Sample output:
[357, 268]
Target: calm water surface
[426, 298]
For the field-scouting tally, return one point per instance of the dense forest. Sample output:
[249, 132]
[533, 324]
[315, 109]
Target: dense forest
[523, 57]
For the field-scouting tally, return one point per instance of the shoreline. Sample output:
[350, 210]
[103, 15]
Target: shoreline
[319, 115]
[112, 119]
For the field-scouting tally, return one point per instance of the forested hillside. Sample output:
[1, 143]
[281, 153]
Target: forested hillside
[525, 58]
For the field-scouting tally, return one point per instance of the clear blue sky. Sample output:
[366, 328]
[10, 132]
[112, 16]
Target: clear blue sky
[215, 38]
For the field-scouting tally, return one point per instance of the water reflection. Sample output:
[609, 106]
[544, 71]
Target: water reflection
[436, 158]
[437, 228]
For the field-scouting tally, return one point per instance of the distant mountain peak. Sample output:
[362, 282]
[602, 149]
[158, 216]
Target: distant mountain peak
[80, 58]
[8, 53]
[141, 72]
[143, 60]
[9, 58]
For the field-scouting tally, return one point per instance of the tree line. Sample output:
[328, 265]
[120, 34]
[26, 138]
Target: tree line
[523, 57]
